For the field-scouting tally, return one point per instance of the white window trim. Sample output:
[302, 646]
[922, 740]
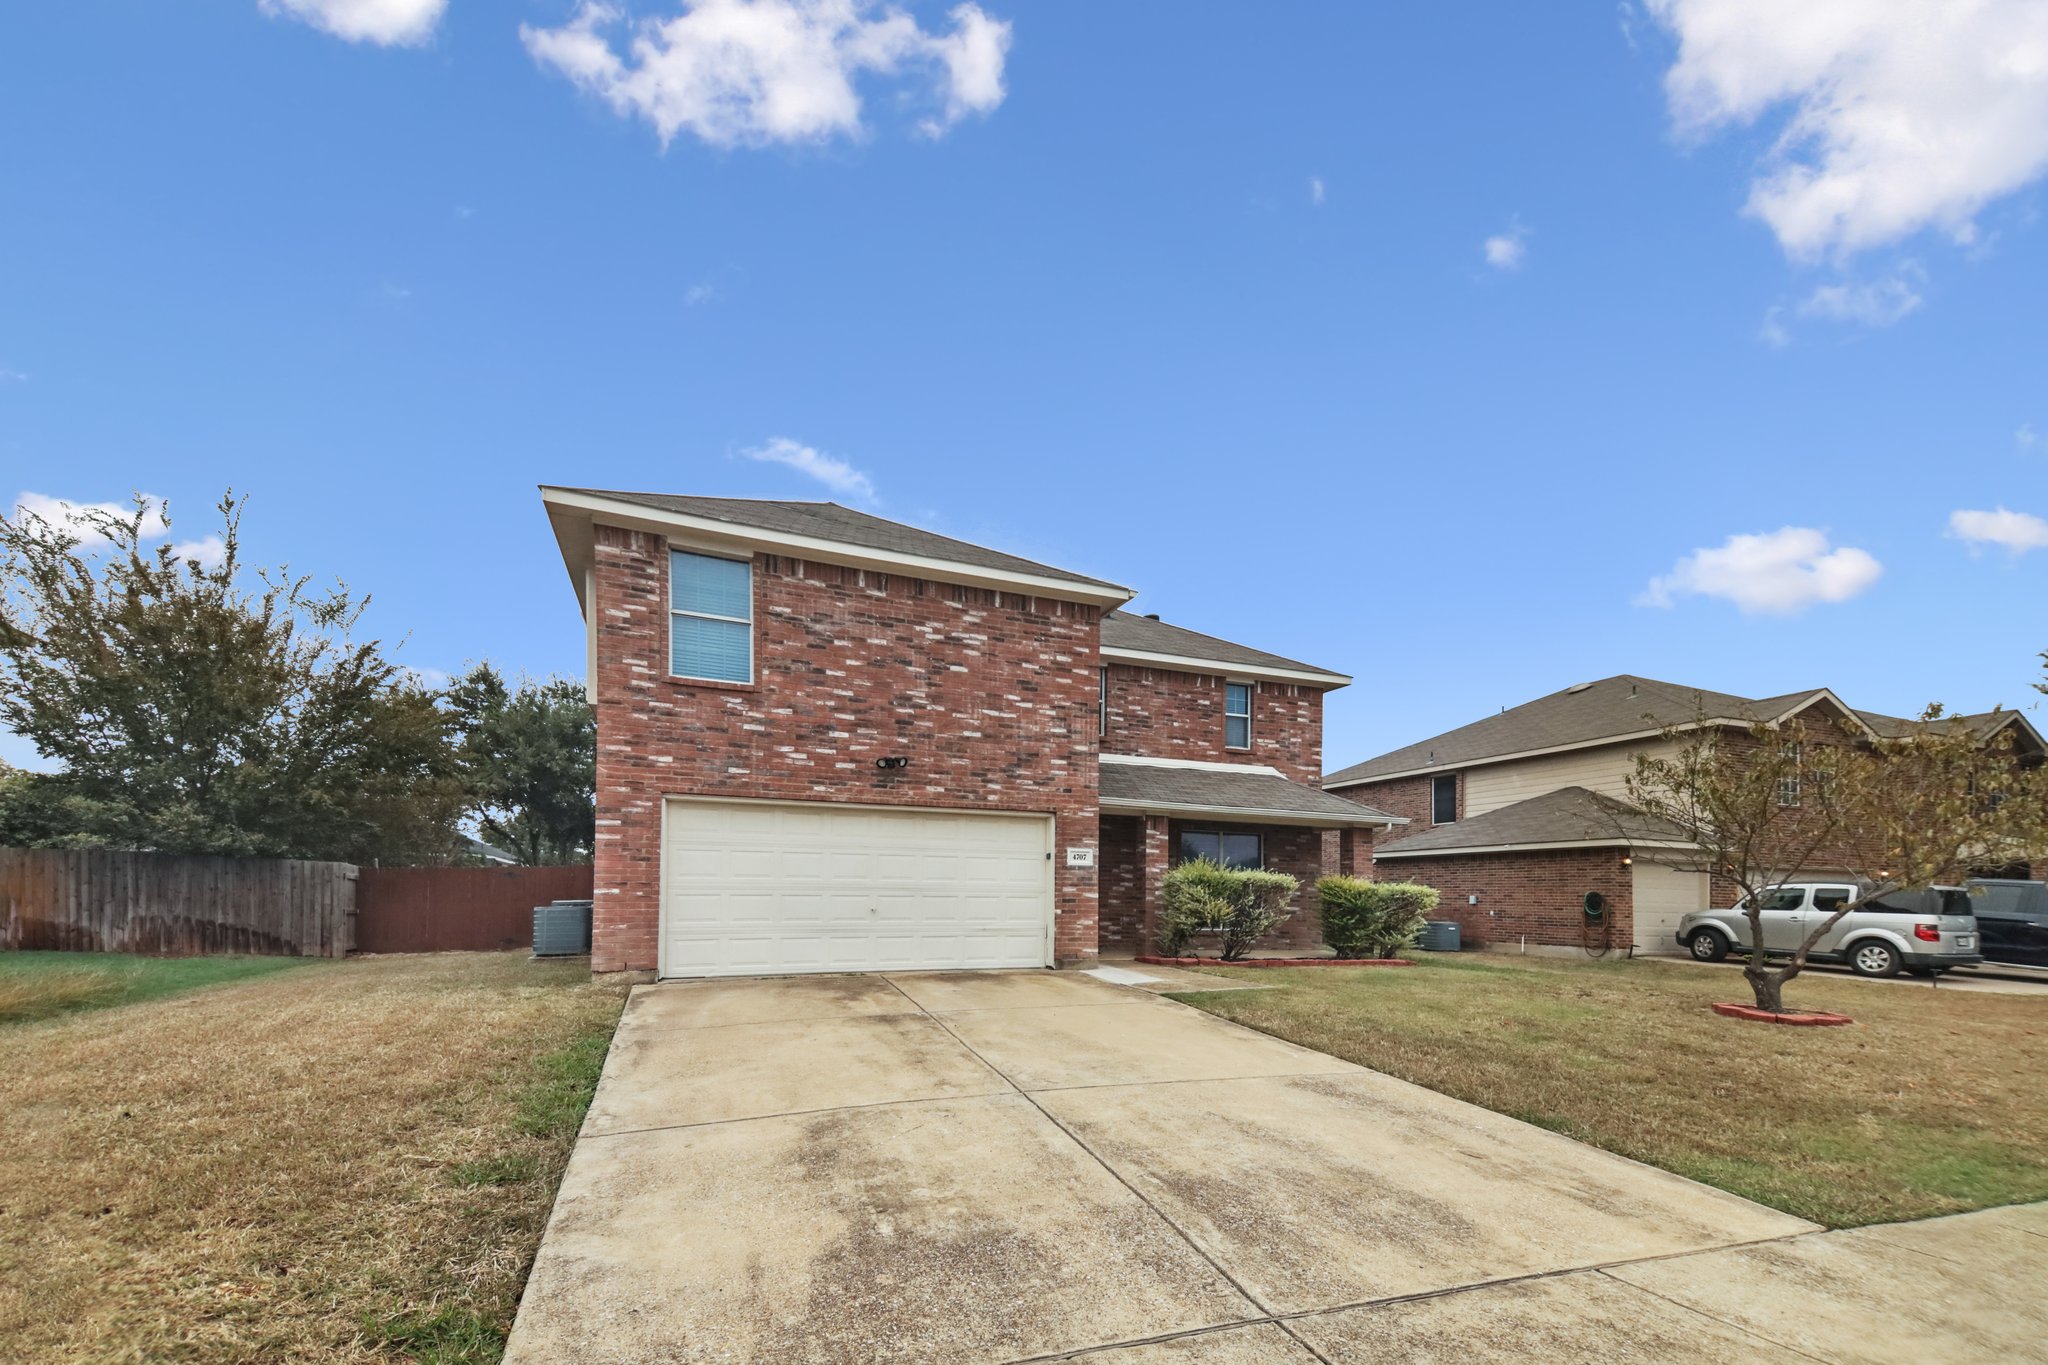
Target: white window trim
[1792, 790]
[674, 611]
[1250, 690]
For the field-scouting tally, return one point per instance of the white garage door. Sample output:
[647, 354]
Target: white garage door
[1663, 895]
[752, 888]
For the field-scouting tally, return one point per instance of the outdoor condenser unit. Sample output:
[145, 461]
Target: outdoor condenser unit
[561, 929]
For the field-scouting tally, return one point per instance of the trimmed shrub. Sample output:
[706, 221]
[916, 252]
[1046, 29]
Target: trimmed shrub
[1373, 919]
[1240, 905]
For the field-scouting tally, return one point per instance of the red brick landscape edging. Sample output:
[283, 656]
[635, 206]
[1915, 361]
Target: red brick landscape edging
[1806, 1019]
[1276, 962]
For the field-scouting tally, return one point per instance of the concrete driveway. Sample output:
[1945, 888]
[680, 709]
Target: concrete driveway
[1024, 1166]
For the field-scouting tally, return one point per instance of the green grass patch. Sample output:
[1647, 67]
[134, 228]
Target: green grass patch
[41, 985]
[452, 1335]
[1928, 1105]
[554, 1105]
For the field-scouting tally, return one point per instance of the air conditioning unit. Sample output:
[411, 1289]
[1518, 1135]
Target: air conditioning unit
[561, 929]
[1441, 936]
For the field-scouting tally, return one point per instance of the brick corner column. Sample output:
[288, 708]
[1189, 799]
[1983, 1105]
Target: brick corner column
[1153, 860]
[1354, 851]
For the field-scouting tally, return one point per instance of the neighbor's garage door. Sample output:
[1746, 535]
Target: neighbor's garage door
[753, 888]
[1663, 895]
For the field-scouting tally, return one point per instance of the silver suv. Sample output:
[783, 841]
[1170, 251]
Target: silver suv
[1927, 930]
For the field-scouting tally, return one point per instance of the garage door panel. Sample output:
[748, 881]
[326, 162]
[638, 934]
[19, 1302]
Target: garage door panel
[760, 888]
[1663, 896]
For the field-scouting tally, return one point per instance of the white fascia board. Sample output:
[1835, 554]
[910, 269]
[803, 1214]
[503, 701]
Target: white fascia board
[1186, 663]
[1618, 842]
[1825, 695]
[709, 532]
[1438, 769]
[1249, 815]
[1198, 764]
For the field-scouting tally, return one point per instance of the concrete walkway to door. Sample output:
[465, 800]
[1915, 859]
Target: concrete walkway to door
[1031, 1166]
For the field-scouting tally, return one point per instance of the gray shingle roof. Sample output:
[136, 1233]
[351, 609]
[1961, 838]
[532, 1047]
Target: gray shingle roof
[1569, 815]
[1128, 630]
[830, 521]
[1260, 796]
[1621, 705]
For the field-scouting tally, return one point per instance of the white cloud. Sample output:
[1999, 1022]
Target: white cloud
[698, 294]
[2027, 438]
[1774, 332]
[385, 22]
[835, 473]
[1876, 303]
[1506, 251]
[1315, 189]
[755, 72]
[12, 376]
[1781, 571]
[2018, 532]
[66, 514]
[1899, 114]
[208, 550]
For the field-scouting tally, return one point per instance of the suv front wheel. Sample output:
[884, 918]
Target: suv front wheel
[1874, 958]
[1707, 946]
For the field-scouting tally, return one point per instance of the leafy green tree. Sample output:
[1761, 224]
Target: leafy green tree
[529, 757]
[195, 711]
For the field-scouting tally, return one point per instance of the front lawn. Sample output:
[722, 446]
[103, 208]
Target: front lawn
[38, 985]
[1933, 1102]
[352, 1162]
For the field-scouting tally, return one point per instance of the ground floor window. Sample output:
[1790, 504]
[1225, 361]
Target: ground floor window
[1231, 850]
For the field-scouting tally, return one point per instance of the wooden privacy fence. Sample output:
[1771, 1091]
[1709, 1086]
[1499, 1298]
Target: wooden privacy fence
[443, 909]
[170, 904]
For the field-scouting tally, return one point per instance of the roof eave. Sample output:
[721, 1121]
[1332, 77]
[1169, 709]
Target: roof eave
[1189, 663]
[1251, 815]
[565, 503]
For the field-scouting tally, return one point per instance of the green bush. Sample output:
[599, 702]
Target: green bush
[1241, 905]
[1373, 919]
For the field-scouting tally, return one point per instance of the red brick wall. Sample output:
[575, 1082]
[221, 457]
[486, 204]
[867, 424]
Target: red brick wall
[991, 696]
[1122, 882]
[1161, 713]
[1540, 895]
[1404, 796]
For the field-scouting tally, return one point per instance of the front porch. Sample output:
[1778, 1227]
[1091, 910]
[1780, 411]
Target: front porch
[1156, 813]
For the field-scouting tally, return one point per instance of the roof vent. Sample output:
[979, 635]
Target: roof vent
[1577, 687]
[1151, 616]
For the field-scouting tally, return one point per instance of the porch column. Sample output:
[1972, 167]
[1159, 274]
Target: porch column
[1354, 851]
[1152, 864]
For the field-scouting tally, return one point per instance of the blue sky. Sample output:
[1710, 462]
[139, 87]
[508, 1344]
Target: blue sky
[1446, 345]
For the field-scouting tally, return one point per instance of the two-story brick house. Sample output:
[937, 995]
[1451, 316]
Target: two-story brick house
[1514, 818]
[832, 742]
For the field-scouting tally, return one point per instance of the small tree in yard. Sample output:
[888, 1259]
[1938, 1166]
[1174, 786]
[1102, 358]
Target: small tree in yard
[1756, 807]
[1240, 904]
[193, 711]
[1363, 919]
[529, 756]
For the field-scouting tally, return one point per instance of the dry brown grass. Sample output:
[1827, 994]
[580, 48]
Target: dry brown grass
[1933, 1102]
[287, 1167]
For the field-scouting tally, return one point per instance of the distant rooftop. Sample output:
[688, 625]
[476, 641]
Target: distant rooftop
[1147, 635]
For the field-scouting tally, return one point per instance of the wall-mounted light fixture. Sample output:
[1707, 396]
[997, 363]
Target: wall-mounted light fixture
[1627, 859]
[892, 762]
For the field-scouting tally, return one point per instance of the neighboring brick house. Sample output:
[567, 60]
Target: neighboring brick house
[1516, 817]
[830, 742]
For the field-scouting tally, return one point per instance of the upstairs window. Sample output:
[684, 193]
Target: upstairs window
[1230, 850]
[711, 617]
[1443, 799]
[1102, 700]
[1788, 781]
[1237, 715]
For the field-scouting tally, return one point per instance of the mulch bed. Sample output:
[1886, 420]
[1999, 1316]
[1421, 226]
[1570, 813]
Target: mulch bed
[1277, 962]
[1796, 1018]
